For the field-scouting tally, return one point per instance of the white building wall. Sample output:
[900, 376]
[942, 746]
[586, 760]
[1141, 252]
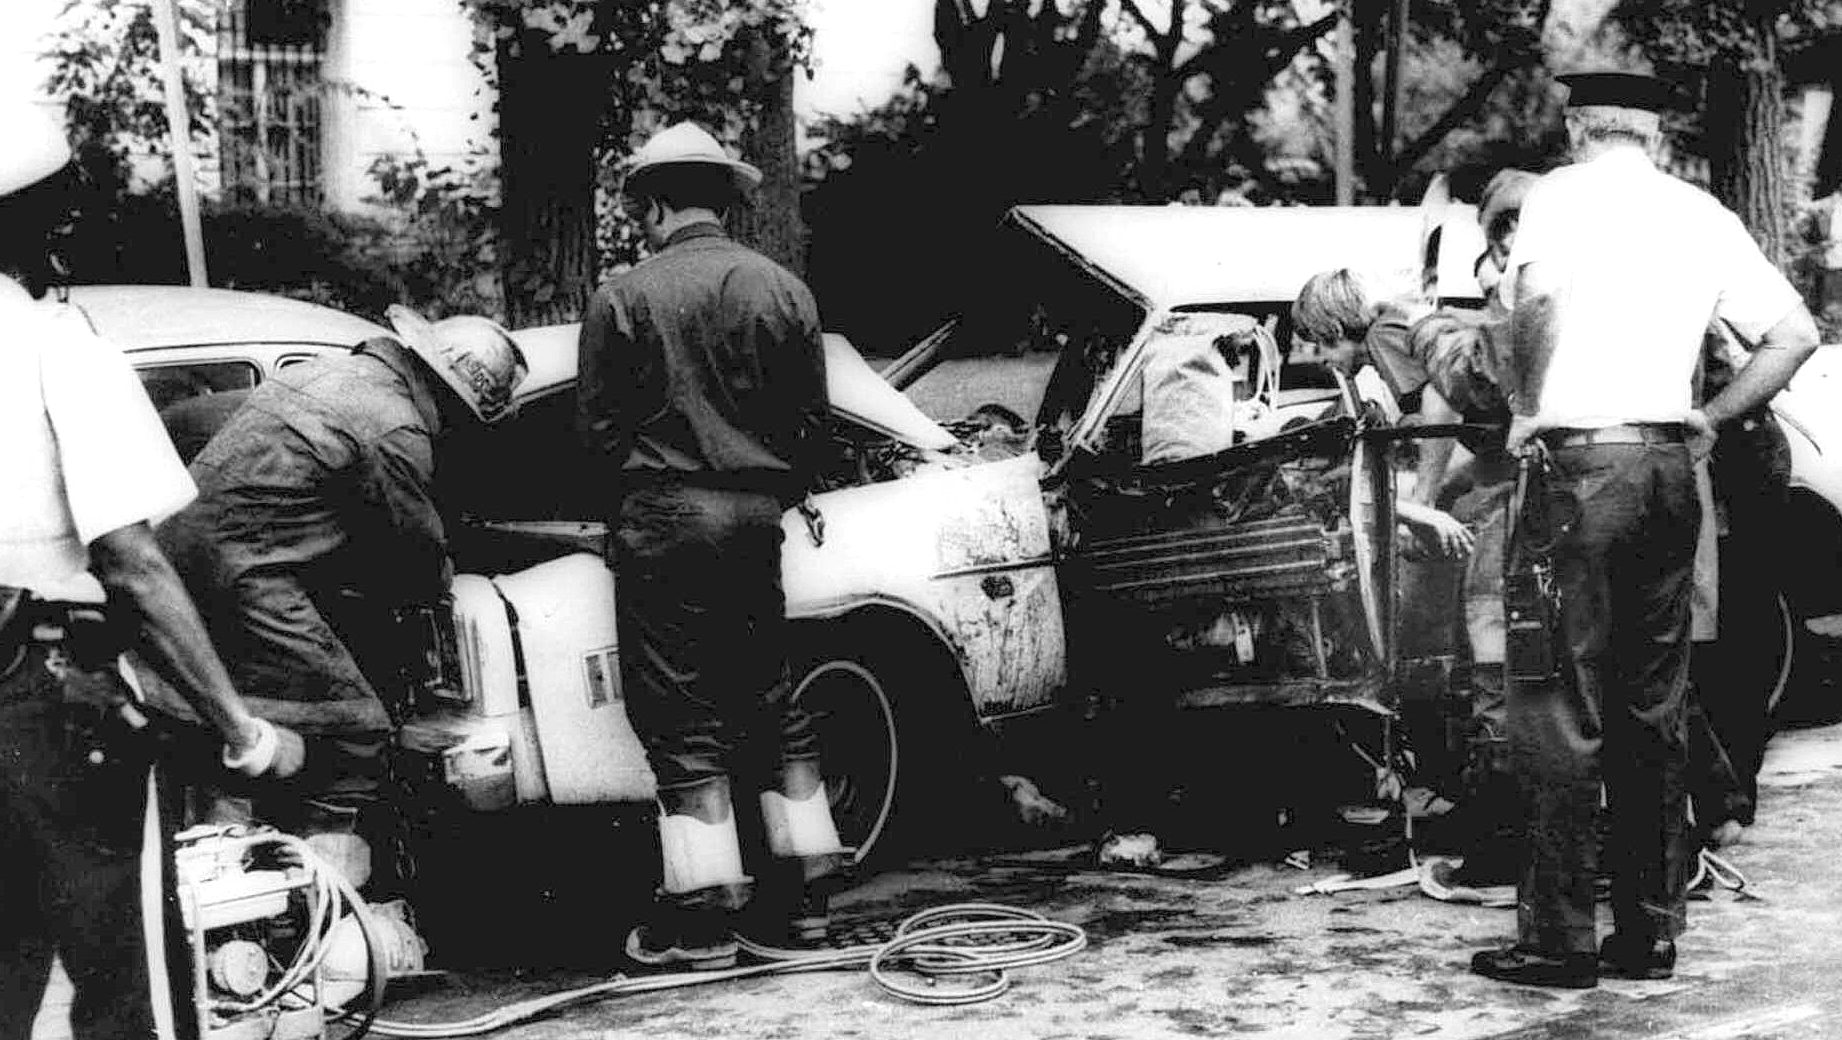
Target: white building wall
[402, 83]
[399, 80]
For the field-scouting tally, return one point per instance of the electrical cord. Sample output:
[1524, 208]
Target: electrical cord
[962, 939]
[331, 898]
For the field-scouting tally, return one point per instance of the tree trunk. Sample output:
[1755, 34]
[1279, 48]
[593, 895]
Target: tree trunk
[1746, 159]
[1372, 153]
[1154, 165]
[547, 166]
[773, 224]
[1391, 80]
[1166, 83]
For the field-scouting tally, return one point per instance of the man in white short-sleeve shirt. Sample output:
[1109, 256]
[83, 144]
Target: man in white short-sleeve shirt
[86, 467]
[1619, 269]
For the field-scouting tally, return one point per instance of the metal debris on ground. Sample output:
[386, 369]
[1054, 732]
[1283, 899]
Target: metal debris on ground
[1131, 850]
[1431, 875]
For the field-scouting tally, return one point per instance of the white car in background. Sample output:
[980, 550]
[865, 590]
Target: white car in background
[1806, 632]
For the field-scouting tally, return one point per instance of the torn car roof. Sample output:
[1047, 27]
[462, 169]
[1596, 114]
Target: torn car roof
[1168, 257]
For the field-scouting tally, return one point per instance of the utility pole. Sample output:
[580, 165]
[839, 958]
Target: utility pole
[1345, 60]
[179, 134]
[1391, 101]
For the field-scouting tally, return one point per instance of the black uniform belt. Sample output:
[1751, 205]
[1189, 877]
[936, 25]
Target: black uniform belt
[1628, 433]
[84, 630]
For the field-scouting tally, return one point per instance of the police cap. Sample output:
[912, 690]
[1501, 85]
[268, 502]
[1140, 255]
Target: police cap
[1621, 89]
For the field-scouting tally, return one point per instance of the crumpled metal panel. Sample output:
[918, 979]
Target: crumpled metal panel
[966, 551]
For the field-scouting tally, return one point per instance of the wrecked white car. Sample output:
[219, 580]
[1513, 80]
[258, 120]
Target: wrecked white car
[979, 572]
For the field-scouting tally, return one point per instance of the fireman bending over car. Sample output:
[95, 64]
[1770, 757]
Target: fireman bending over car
[702, 396]
[315, 523]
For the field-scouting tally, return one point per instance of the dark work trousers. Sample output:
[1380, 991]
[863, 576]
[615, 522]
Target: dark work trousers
[1751, 470]
[704, 634]
[72, 794]
[1733, 680]
[1617, 714]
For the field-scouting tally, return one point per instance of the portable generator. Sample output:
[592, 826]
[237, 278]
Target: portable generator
[277, 938]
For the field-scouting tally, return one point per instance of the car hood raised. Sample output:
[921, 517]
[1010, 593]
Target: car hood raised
[856, 391]
[859, 394]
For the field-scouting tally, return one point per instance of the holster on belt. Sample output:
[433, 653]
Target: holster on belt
[1531, 597]
[81, 639]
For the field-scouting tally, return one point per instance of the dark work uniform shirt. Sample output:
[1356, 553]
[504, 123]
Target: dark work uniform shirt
[706, 362]
[321, 482]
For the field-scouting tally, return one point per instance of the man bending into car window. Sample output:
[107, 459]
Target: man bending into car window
[315, 523]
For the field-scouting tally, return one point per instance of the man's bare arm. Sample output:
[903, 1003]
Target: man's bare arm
[1780, 352]
[131, 567]
[1435, 452]
[1533, 325]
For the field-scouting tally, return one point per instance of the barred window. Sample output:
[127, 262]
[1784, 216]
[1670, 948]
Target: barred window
[269, 96]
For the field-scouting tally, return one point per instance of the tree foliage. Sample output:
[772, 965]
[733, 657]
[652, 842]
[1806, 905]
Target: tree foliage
[435, 251]
[583, 82]
[1732, 57]
[105, 63]
[1137, 101]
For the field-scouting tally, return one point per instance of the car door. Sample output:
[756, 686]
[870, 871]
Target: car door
[1262, 573]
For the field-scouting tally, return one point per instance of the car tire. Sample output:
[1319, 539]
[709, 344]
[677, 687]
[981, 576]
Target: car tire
[1758, 646]
[895, 727]
[860, 745]
[1811, 694]
[1783, 650]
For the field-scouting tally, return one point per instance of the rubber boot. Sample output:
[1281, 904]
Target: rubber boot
[703, 883]
[792, 908]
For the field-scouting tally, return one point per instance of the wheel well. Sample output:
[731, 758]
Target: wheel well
[938, 741]
[889, 633]
[1812, 529]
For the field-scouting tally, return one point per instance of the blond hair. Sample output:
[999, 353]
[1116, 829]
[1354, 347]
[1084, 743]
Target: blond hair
[1333, 305]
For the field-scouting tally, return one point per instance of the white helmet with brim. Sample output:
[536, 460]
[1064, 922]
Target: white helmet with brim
[685, 146]
[475, 356]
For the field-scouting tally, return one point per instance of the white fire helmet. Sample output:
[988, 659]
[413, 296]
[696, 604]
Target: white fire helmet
[475, 356]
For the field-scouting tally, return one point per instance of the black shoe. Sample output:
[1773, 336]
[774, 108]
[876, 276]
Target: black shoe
[1486, 867]
[1531, 968]
[803, 923]
[1632, 957]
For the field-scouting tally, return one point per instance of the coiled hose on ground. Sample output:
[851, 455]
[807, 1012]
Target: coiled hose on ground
[964, 939]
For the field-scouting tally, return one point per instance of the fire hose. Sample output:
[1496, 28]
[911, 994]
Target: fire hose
[964, 939]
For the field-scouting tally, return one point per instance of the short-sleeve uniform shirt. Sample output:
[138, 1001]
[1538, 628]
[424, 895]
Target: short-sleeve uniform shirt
[1643, 263]
[84, 453]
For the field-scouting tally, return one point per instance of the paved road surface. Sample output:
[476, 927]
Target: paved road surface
[1234, 951]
